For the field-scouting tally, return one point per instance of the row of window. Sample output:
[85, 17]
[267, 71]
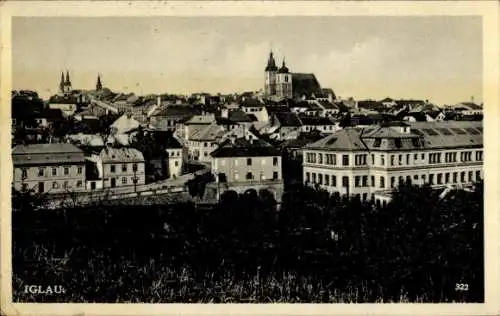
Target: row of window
[54, 171]
[249, 176]
[54, 185]
[250, 161]
[402, 159]
[362, 181]
[112, 168]
[133, 180]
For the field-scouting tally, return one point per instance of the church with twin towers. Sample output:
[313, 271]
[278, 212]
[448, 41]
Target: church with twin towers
[281, 83]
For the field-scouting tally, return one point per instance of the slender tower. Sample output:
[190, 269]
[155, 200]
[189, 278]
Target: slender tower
[61, 83]
[98, 85]
[270, 82]
[67, 83]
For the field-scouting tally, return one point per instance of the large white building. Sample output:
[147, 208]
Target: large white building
[373, 161]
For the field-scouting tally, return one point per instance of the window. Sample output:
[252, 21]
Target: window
[408, 179]
[275, 161]
[382, 182]
[392, 182]
[478, 175]
[314, 177]
[345, 160]
[373, 159]
[372, 178]
[308, 177]
[447, 178]
[176, 163]
[320, 158]
[275, 175]
[124, 167]
[249, 161]
[392, 160]
[205, 154]
[431, 178]
[24, 173]
[345, 182]
[79, 184]
[41, 172]
[439, 178]
[65, 185]
[400, 159]
[205, 144]
[79, 170]
[407, 159]
[334, 181]
[365, 181]
[462, 176]
[320, 178]
[423, 178]
[55, 185]
[66, 171]
[24, 186]
[134, 167]
[455, 177]
[357, 180]
[112, 168]
[124, 180]
[377, 142]
[397, 142]
[422, 157]
[54, 171]
[471, 175]
[479, 155]
[249, 176]
[382, 160]
[327, 179]
[415, 157]
[41, 187]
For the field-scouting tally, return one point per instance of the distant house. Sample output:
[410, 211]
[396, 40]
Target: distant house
[122, 167]
[469, 108]
[388, 102]
[246, 160]
[166, 117]
[285, 124]
[255, 107]
[48, 117]
[125, 123]
[48, 168]
[322, 124]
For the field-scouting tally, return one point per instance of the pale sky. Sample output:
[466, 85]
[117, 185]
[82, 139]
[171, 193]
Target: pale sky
[436, 58]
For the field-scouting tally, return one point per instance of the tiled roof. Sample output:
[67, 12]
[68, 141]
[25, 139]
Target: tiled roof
[305, 84]
[47, 154]
[328, 106]
[245, 148]
[347, 139]
[288, 119]
[200, 119]
[125, 123]
[177, 111]
[208, 133]
[121, 155]
[449, 134]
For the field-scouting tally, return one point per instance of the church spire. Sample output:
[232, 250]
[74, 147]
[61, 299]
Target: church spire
[98, 85]
[61, 83]
[68, 82]
[271, 63]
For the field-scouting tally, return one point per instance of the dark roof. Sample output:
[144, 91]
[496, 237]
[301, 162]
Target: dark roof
[347, 139]
[46, 153]
[315, 120]
[177, 111]
[252, 117]
[271, 63]
[305, 84]
[328, 106]
[166, 139]
[245, 148]
[238, 116]
[288, 119]
[251, 102]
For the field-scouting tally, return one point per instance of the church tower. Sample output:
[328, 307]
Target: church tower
[270, 82]
[98, 85]
[284, 82]
[67, 83]
[61, 84]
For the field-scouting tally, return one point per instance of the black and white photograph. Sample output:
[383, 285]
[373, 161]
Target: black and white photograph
[248, 159]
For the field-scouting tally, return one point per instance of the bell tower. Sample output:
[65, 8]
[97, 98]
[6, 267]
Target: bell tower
[270, 73]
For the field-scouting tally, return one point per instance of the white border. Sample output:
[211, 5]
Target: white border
[489, 10]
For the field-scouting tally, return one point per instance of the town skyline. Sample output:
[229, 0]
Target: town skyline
[435, 58]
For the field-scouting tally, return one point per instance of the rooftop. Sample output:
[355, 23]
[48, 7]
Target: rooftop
[242, 147]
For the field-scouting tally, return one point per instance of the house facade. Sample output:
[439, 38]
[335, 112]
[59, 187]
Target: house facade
[374, 160]
[48, 168]
[122, 167]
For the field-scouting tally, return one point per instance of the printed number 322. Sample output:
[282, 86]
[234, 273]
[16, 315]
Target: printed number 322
[461, 287]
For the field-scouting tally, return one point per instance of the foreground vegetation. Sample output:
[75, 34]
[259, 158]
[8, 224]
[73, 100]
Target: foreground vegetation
[316, 248]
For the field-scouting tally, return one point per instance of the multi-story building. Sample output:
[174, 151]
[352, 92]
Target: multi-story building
[377, 159]
[48, 168]
[122, 167]
[246, 160]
